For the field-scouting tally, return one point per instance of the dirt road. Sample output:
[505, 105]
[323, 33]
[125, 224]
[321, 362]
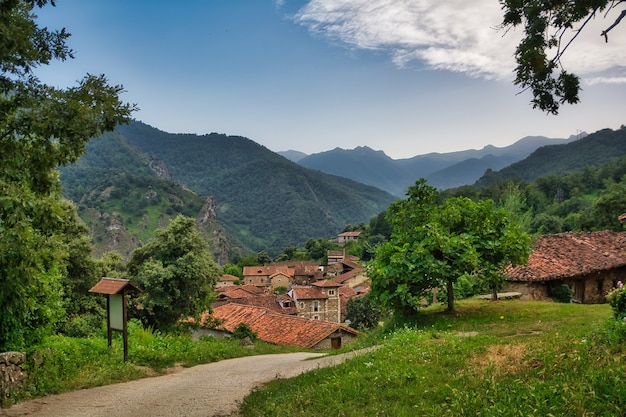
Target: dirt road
[215, 389]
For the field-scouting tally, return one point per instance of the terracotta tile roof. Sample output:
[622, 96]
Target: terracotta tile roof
[240, 291]
[228, 278]
[347, 292]
[277, 328]
[572, 254]
[267, 270]
[326, 283]
[349, 234]
[340, 279]
[269, 302]
[352, 264]
[307, 293]
[113, 286]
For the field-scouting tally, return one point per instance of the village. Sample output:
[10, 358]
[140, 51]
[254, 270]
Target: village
[294, 303]
[304, 304]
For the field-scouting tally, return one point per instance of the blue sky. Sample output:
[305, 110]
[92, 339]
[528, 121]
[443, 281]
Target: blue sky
[403, 76]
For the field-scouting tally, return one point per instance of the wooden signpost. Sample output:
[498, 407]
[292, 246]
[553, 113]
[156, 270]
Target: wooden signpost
[117, 314]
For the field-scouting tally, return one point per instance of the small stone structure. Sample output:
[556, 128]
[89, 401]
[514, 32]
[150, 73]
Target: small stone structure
[12, 374]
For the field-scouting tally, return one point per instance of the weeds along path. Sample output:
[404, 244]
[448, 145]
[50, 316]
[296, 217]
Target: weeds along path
[214, 389]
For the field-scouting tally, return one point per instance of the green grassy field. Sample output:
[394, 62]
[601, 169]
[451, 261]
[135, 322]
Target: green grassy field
[505, 358]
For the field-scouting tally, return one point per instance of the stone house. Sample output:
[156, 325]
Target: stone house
[590, 263]
[261, 275]
[319, 301]
[345, 237]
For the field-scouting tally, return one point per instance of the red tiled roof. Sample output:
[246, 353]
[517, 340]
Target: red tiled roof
[240, 291]
[326, 283]
[228, 278]
[347, 292]
[269, 302]
[307, 293]
[277, 328]
[111, 286]
[572, 254]
[267, 270]
[348, 234]
[340, 279]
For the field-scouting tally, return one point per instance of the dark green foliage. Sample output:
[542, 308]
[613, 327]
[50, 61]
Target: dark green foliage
[436, 244]
[41, 128]
[549, 26]
[363, 312]
[243, 330]
[562, 294]
[176, 273]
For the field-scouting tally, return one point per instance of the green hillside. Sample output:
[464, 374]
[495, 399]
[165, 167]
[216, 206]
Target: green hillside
[594, 150]
[262, 201]
[124, 196]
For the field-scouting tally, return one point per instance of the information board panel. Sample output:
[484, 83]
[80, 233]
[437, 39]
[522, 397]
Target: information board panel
[116, 311]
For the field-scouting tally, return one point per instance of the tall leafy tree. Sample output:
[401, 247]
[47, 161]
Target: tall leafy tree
[41, 128]
[549, 28]
[176, 273]
[436, 244]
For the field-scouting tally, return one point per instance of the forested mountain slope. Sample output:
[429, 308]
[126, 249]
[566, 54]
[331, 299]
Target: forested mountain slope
[593, 150]
[123, 196]
[262, 200]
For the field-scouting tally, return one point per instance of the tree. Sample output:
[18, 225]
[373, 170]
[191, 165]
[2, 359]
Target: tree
[363, 312]
[549, 27]
[176, 273]
[41, 128]
[436, 244]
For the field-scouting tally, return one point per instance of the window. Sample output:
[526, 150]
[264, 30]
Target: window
[331, 292]
[316, 306]
[316, 317]
[301, 305]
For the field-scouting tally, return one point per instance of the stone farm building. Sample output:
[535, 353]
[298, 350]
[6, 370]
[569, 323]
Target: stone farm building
[590, 263]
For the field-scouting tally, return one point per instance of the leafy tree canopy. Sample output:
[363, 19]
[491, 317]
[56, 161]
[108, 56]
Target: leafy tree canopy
[435, 244]
[549, 28]
[176, 273]
[41, 128]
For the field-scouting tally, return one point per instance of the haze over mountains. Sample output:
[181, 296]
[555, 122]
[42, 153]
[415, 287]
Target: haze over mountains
[441, 170]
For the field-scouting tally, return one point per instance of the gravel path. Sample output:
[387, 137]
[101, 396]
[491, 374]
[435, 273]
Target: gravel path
[215, 389]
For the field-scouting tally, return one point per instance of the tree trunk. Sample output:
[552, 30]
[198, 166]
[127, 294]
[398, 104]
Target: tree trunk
[450, 296]
[494, 294]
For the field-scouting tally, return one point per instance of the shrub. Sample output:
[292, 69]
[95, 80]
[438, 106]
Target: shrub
[243, 330]
[563, 294]
[617, 300]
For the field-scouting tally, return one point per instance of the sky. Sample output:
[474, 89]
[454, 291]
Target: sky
[407, 77]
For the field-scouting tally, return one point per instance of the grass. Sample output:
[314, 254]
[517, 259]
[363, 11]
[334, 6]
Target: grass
[508, 358]
[62, 363]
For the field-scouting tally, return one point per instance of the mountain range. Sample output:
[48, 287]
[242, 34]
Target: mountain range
[249, 199]
[441, 170]
[136, 178]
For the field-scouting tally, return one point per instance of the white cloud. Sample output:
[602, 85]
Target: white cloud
[452, 35]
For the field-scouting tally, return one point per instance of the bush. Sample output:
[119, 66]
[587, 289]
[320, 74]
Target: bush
[243, 330]
[617, 300]
[563, 294]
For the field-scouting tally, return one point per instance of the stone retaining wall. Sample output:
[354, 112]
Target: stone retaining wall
[12, 374]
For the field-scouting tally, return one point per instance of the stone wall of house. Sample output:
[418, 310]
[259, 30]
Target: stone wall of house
[537, 291]
[12, 373]
[326, 344]
[588, 289]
